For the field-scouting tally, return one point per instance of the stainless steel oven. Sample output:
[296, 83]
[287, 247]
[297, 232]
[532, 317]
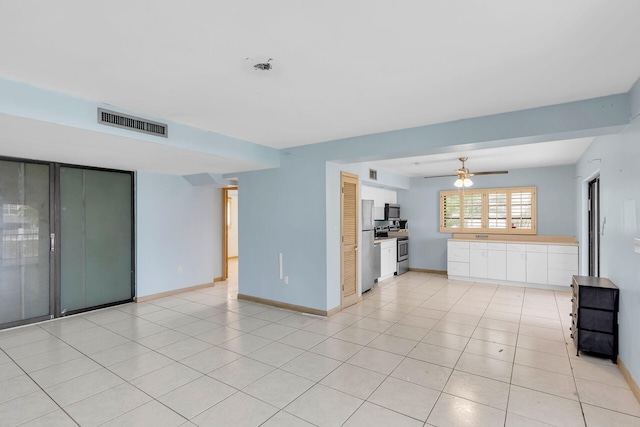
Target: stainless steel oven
[403, 255]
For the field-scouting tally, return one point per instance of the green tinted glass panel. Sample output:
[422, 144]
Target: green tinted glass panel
[95, 238]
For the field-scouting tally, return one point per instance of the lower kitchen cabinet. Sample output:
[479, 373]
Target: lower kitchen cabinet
[497, 261]
[537, 264]
[388, 258]
[458, 258]
[594, 323]
[562, 264]
[478, 266]
[516, 262]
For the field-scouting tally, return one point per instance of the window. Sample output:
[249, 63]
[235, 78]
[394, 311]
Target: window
[491, 211]
[472, 210]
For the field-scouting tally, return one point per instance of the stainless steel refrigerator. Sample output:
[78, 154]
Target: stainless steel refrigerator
[370, 256]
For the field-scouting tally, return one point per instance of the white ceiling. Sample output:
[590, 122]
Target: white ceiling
[553, 153]
[340, 68]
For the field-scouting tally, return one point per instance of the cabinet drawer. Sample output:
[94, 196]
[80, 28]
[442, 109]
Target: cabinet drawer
[497, 246]
[387, 244]
[595, 342]
[596, 320]
[603, 299]
[560, 249]
[516, 247]
[457, 245]
[537, 248]
[478, 245]
[458, 269]
[458, 255]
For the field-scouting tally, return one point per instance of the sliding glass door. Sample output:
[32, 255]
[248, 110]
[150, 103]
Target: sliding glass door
[95, 238]
[25, 242]
[66, 240]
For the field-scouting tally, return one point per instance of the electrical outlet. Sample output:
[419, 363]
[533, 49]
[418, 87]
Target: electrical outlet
[286, 280]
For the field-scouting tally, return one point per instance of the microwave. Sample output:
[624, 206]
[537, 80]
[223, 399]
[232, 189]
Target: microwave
[391, 212]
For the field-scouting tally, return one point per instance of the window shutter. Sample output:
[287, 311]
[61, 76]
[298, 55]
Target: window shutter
[450, 210]
[522, 209]
[497, 210]
[491, 211]
[472, 210]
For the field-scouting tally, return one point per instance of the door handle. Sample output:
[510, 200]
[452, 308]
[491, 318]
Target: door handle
[355, 248]
[53, 241]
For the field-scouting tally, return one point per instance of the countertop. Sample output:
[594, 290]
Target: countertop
[522, 241]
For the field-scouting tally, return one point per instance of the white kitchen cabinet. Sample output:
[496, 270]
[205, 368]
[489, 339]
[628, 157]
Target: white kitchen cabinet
[478, 261]
[460, 269]
[562, 264]
[497, 261]
[390, 196]
[458, 251]
[380, 196]
[516, 262]
[388, 258]
[537, 264]
[378, 213]
[530, 263]
[367, 193]
[458, 258]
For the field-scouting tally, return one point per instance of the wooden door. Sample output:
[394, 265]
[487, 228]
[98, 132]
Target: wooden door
[349, 238]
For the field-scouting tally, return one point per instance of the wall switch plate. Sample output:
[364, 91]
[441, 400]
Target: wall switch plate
[636, 244]
[286, 280]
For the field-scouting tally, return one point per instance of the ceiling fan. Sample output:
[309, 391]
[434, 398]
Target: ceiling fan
[464, 175]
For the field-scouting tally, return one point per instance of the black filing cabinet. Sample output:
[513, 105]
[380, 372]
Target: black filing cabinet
[594, 324]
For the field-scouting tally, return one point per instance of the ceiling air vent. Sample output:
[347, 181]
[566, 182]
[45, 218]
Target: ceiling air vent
[373, 174]
[123, 121]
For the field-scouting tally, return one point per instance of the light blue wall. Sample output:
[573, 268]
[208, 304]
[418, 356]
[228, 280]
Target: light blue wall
[177, 224]
[615, 159]
[283, 211]
[421, 206]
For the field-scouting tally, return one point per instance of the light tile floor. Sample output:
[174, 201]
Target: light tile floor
[418, 351]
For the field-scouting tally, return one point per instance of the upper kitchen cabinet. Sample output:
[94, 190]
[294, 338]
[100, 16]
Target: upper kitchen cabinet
[380, 196]
[390, 196]
[368, 193]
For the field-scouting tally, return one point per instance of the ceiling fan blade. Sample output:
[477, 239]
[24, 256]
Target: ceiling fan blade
[439, 176]
[488, 173]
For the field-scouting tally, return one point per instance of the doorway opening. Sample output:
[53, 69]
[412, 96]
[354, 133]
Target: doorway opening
[594, 227]
[230, 233]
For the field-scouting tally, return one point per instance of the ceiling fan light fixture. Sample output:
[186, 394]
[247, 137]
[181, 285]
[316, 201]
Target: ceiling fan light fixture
[463, 182]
